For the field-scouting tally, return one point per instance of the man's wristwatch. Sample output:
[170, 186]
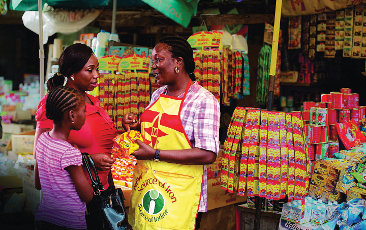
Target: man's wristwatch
[156, 156]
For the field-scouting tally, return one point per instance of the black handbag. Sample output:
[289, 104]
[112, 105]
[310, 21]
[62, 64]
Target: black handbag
[106, 211]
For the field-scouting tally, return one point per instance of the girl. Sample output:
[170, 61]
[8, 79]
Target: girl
[58, 168]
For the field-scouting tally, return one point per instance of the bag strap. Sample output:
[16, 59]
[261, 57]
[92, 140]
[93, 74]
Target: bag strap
[89, 165]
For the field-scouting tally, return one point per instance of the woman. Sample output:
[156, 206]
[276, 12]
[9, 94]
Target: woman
[181, 127]
[79, 66]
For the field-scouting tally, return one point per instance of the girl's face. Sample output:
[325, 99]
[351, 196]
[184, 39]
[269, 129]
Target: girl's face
[163, 65]
[87, 78]
[79, 116]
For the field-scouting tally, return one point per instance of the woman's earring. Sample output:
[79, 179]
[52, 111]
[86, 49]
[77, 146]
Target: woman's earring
[73, 122]
[72, 78]
[176, 70]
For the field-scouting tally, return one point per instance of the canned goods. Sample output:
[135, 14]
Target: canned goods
[332, 116]
[319, 116]
[362, 112]
[321, 105]
[356, 99]
[311, 150]
[326, 98]
[345, 90]
[355, 114]
[307, 133]
[296, 114]
[308, 105]
[306, 115]
[324, 134]
[344, 116]
[315, 133]
[348, 101]
[321, 151]
[337, 100]
[333, 135]
[333, 148]
[311, 165]
[330, 105]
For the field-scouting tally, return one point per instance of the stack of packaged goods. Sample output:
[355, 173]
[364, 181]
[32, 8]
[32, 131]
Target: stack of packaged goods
[325, 178]
[337, 194]
[327, 122]
[122, 169]
[315, 214]
[265, 155]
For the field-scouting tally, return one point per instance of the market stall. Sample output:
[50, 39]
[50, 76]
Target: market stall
[292, 130]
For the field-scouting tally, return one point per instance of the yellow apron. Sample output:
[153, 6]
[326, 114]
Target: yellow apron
[165, 195]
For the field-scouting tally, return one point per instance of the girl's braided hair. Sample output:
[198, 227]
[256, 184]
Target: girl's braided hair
[61, 99]
[179, 47]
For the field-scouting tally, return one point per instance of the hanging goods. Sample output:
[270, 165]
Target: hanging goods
[272, 161]
[107, 206]
[264, 61]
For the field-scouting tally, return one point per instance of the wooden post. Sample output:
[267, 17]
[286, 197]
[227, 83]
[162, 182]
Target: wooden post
[41, 50]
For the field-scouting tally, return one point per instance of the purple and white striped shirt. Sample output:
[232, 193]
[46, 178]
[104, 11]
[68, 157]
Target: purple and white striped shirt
[200, 117]
[60, 204]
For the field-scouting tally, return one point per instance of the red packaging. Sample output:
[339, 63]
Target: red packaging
[315, 133]
[337, 100]
[348, 101]
[333, 148]
[311, 150]
[321, 105]
[356, 99]
[344, 116]
[296, 114]
[307, 133]
[321, 151]
[308, 105]
[355, 114]
[345, 90]
[332, 116]
[330, 105]
[326, 98]
[362, 112]
[306, 115]
[324, 134]
[333, 135]
[350, 134]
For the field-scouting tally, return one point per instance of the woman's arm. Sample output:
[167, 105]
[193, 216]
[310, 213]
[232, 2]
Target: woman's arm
[194, 156]
[37, 182]
[38, 133]
[82, 185]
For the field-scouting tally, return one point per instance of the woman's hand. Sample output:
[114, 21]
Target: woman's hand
[130, 121]
[145, 152]
[102, 161]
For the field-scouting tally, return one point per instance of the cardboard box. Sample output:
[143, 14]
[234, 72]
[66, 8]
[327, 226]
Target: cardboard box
[16, 128]
[21, 143]
[218, 197]
[22, 115]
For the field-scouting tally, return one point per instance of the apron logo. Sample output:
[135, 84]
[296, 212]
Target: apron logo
[153, 202]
